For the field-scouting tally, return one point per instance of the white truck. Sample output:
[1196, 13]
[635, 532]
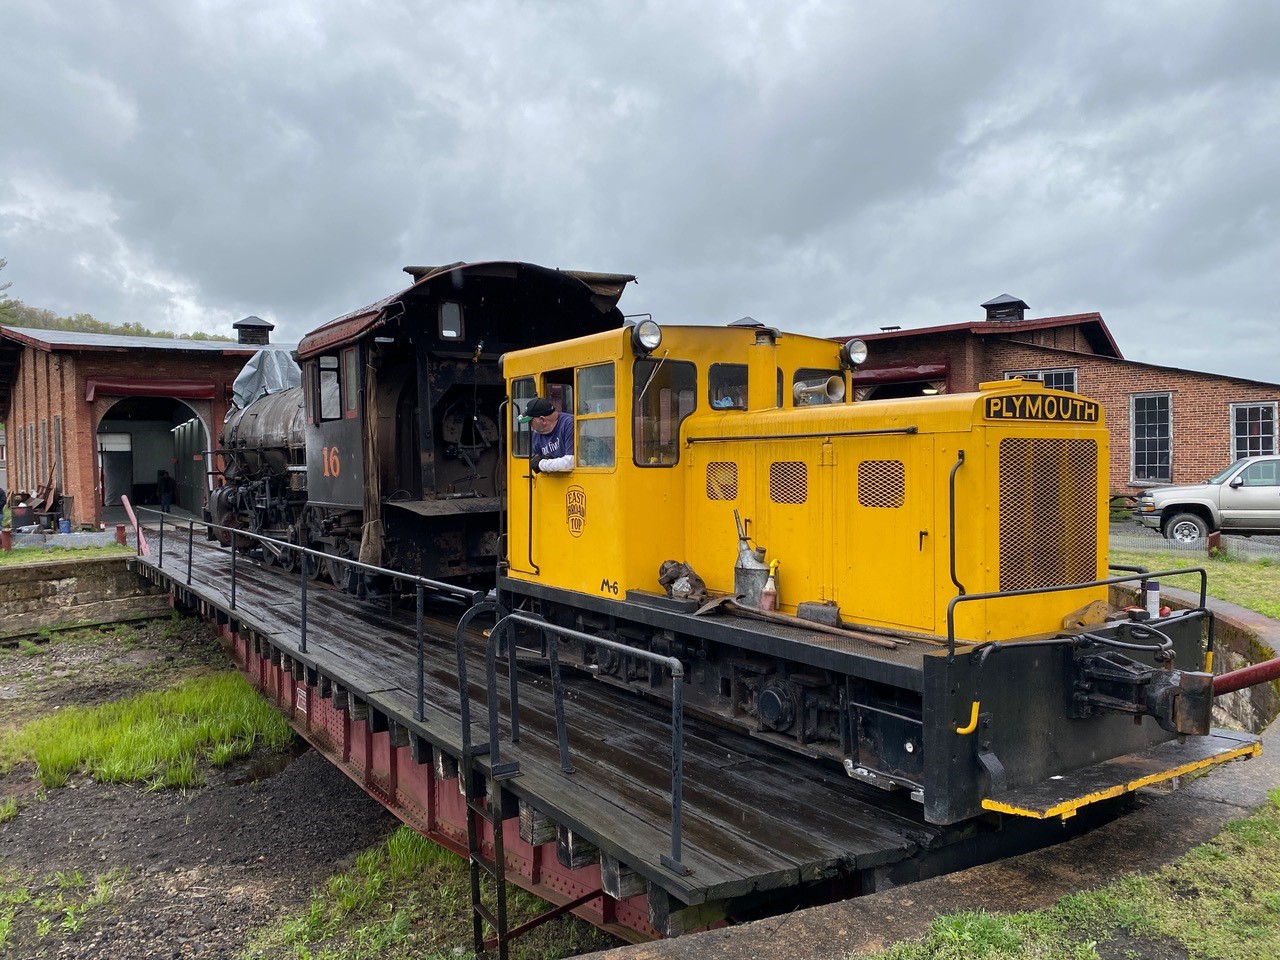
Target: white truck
[1242, 499]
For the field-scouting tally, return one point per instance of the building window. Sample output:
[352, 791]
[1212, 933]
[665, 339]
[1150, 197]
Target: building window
[1253, 429]
[1151, 423]
[1060, 378]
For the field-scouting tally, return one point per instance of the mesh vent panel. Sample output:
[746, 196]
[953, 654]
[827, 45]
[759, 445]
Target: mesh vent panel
[789, 481]
[1048, 512]
[881, 483]
[722, 480]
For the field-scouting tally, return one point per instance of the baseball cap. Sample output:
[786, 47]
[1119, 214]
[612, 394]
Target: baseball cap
[538, 407]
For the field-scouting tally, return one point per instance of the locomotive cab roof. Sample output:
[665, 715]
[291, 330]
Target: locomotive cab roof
[507, 302]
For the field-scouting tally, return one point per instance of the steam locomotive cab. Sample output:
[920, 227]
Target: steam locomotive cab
[403, 449]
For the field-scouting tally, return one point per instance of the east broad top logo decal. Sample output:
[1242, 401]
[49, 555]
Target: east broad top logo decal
[575, 510]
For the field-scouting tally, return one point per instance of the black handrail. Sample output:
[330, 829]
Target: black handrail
[499, 770]
[1143, 577]
[422, 583]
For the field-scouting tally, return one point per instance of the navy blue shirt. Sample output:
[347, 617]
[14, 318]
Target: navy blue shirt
[557, 443]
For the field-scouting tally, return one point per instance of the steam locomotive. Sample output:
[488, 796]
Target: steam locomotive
[389, 451]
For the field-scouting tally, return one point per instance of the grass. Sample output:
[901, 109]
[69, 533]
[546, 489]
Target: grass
[28, 555]
[158, 738]
[1221, 901]
[58, 901]
[409, 898]
[1250, 583]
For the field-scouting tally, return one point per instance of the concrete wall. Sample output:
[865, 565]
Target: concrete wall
[55, 592]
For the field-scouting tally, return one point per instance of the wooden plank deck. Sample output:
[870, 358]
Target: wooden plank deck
[755, 818]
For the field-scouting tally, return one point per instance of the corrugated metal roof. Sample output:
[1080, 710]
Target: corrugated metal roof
[74, 340]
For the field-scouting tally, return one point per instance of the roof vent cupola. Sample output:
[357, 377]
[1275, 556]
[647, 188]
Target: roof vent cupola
[254, 330]
[1005, 308]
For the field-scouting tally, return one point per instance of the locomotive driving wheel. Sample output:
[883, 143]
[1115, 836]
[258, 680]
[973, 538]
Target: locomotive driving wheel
[344, 576]
[288, 560]
[308, 529]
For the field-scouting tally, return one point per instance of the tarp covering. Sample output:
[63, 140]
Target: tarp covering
[268, 371]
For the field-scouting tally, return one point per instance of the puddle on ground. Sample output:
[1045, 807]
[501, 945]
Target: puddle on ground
[260, 765]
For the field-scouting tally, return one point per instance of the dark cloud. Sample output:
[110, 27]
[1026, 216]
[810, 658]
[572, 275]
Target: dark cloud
[825, 166]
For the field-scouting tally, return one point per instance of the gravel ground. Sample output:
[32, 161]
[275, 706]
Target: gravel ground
[192, 872]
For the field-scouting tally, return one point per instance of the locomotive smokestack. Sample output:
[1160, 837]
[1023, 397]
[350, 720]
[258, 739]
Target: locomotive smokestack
[254, 330]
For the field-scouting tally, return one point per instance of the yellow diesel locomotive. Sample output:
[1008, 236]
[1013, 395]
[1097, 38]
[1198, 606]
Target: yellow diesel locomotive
[941, 623]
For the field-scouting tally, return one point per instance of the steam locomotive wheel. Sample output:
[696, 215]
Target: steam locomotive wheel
[288, 560]
[313, 567]
[344, 576]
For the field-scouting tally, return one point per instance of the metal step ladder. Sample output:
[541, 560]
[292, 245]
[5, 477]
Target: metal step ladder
[490, 803]
[485, 798]
[486, 809]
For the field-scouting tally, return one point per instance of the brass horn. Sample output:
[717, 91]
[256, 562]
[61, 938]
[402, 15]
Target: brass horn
[832, 389]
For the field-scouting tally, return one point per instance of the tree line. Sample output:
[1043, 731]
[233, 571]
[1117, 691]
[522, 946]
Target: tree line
[15, 313]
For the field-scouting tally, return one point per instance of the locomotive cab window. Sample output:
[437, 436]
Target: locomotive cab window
[595, 419]
[330, 403]
[557, 387]
[666, 392]
[727, 386]
[522, 391]
[350, 383]
[451, 320]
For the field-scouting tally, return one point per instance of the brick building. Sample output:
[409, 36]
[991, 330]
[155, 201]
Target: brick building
[92, 417]
[1168, 425]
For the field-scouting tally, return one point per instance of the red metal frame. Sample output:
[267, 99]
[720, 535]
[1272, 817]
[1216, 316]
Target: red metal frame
[433, 806]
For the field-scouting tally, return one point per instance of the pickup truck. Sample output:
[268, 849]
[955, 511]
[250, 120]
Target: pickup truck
[1243, 499]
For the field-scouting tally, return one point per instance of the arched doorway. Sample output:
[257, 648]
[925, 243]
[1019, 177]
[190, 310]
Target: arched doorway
[138, 437]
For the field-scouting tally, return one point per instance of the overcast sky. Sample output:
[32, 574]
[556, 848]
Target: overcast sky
[826, 167]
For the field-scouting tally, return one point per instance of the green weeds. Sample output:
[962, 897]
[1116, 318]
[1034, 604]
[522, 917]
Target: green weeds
[158, 738]
[409, 898]
[64, 901]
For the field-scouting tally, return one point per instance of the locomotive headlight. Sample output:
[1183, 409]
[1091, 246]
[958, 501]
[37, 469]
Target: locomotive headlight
[647, 336]
[853, 354]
